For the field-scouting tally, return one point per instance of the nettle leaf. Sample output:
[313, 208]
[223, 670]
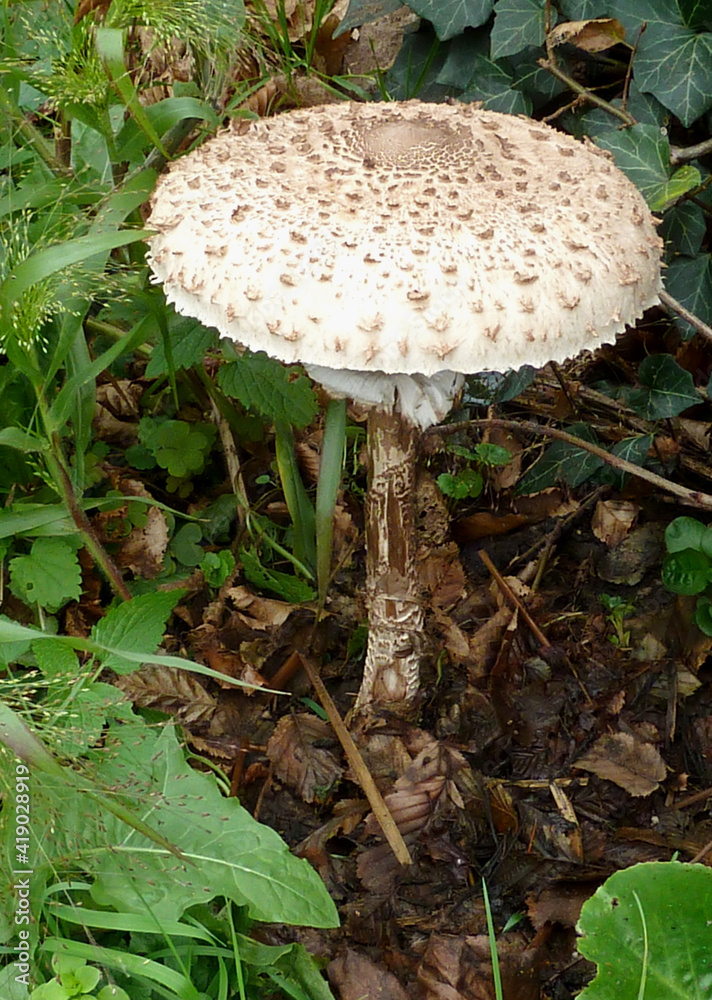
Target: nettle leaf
[276, 392]
[451, 17]
[563, 462]
[49, 576]
[189, 341]
[518, 24]
[665, 389]
[689, 280]
[673, 60]
[643, 154]
[136, 626]
[493, 84]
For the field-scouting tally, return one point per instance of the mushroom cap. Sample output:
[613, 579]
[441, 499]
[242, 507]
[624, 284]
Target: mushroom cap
[405, 238]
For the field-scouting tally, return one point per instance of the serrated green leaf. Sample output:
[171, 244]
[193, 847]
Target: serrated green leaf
[665, 389]
[276, 392]
[135, 626]
[689, 280]
[451, 17]
[563, 462]
[518, 25]
[189, 341]
[649, 925]
[56, 660]
[49, 576]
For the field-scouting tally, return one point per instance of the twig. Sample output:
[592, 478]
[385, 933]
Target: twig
[513, 599]
[693, 498]
[361, 772]
[681, 154]
[624, 116]
[671, 303]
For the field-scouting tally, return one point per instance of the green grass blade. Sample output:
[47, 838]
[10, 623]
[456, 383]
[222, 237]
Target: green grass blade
[332, 455]
[496, 975]
[300, 507]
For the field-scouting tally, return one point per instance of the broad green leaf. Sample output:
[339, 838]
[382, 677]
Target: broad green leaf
[189, 341]
[415, 70]
[673, 60]
[457, 67]
[494, 85]
[56, 660]
[665, 389]
[648, 930]
[563, 462]
[49, 576]
[703, 615]
[13, 437]
[518, 25]
[135, 626]
[580, 10]
[182, 448]
[689, 280]
[684, 533]
[185, 547]
[228, 853]
[682, 181]
[686, 572]
[451, 17]
[643, 153]
[274, 391]
[632, 449]
[684, 226]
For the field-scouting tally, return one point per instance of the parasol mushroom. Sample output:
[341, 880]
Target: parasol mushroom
[391, 248]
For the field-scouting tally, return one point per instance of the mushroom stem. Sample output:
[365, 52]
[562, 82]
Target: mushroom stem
[395, 610]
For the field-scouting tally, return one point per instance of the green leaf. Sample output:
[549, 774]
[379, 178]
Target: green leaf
[467, 483]
[643, 154]
[682, 181]
[686, 572]
[632, 449]
[288, 587]
[689, 280]
[674, 63]
[518, 24]
[451, 17]
[56, 660]
[703, 615]
[189, 341]
[492, 454]
[217, 567]
[364, 12]
[648, 930]
[49, 576]
[563, 462]
[684, 226]
[228, 853]
[135, 626]
[665, 389]
[182, 448]
[13, 437]
[684, 533]
[276, 392]
[494, 85]
[185, 547]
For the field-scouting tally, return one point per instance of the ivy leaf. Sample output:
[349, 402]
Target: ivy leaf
[689, 280]
[136, 626]
[673, 60]
[365, 12]
[665, 389]
[278, 393]
[563, 462]
[49, 576]
[518, 24]
[451, 17]
[632, 449]
[684, 227]
[493, 84]
[643, 154]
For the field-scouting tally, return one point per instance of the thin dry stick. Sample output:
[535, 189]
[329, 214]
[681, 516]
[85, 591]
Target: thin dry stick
[699, 325]
[693, 498]
[361, 772]
[549, 66]
[513, 599]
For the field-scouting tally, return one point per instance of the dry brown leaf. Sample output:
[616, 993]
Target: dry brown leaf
[594, 35]
[310, 769]
[503, 477]
[613, 519]
[619, 757]
[460, 968]
[559, 903]
[259, 612]
[167, 689]
[356, 977]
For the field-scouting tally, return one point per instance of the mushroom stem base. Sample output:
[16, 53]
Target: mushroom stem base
[395, 610]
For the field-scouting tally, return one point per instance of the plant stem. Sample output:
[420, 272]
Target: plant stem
[395, 610]
[624, 116]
